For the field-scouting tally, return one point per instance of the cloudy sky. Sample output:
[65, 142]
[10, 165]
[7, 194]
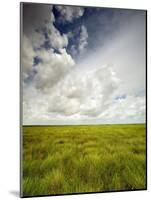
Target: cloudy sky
[83, 65]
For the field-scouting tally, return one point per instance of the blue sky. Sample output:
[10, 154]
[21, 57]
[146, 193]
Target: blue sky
[83, 65]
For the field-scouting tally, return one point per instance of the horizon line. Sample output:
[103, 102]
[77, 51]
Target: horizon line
[81, 124]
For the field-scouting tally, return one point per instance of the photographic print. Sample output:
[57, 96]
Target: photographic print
[83, 99]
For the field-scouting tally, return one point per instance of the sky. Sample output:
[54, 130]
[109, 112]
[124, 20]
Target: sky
[83, 65]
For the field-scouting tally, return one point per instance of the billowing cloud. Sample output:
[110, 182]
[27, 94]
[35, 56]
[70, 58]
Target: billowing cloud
[27, 54]
[77, 97]
[82, 40]
[75, 94]
[103, 83]
[38, 22]
[37, 39]
[57, 40]
[52, 68]
[37, 31]
[69, 13]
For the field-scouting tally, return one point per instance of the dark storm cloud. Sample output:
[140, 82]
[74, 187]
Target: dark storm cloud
[35, 16]
[41, 37]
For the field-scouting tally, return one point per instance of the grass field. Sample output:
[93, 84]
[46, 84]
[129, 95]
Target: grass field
[78, 159]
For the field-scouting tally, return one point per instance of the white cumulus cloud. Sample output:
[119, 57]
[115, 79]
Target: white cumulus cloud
[106, 84]
[68, 13]
[53, 67]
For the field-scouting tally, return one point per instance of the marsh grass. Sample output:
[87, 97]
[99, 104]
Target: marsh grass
[77, 159]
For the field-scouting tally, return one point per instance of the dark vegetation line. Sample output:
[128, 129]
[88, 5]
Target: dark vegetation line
[56, 125]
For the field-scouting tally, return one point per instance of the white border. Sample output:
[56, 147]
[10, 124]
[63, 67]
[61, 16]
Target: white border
[9, 99]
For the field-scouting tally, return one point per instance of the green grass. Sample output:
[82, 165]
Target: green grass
[78, 159]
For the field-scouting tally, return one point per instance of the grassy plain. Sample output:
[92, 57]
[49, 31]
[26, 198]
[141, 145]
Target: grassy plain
[88, 158]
